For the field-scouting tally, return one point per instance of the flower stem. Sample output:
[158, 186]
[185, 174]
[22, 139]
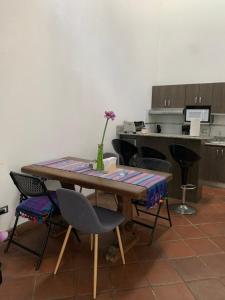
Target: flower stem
[106, 123]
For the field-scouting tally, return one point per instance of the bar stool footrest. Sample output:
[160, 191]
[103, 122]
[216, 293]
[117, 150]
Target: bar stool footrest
[183, 209]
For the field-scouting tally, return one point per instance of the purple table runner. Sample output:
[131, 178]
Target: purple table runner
[154, 183]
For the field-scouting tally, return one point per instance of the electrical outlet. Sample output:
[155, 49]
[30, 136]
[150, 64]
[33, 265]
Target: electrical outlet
[4, 210]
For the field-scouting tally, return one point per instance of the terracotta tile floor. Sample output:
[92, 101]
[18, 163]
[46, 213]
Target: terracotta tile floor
[185, 262]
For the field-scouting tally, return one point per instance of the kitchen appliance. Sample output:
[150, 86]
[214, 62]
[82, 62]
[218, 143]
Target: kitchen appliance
[158, 128]
[129, 127]
[139, 125]
[199, 112]
[186, 129]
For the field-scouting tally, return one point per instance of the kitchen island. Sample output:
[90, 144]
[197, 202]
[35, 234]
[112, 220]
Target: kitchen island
[161, 142]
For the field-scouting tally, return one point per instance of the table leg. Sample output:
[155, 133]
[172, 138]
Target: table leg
[128, 233]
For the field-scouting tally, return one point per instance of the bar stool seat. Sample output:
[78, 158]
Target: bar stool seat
[186, 158]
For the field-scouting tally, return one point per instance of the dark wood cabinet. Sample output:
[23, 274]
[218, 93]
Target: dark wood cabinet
[168, 96]
[199, 94]
[213, 164]
[177, 96]
[218, 98]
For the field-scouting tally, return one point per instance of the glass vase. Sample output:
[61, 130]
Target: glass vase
[100, 164]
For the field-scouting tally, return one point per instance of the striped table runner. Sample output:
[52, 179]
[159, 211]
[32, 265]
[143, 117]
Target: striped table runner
[154, 183]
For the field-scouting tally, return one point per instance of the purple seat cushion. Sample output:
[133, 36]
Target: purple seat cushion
[38, 207]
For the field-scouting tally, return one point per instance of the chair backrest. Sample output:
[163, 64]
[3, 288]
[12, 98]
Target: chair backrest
[185, 157]
[181, 153]
[77, 210]
[154, 164]
[151, 153]
[125, 150]
[28, 186]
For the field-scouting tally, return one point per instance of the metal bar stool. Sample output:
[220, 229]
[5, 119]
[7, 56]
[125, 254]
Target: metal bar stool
[185, 158]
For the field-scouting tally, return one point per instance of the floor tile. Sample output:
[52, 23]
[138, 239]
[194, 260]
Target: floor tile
[166, 234]
[174, 249]
[102, 296]
[160, 272]
[128, 276]
[216, 263]
[140, 294]
[191, 268]
[17, 289]
[85, 281]
[213, 230]
[207, 289]
[18, 266]
[180, 220]
[220, 241]
[149, 252]
[203, 246]
[189, 231]
[50, 287]
[172, 292]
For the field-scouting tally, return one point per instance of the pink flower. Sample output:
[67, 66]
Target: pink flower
[3, 236]
[110, 115]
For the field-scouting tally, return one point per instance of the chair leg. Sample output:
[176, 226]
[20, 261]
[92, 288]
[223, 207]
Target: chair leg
[81, 189]
[12, 234]
[168, 211]
[91, 241]
[116, 199]
[63, 249]
[120, 244]
[137, 210]
[44, 247]
[76, 235]
[95, 265]
[155, 223]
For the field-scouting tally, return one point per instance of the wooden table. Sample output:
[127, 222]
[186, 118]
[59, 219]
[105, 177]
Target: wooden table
[125, 192]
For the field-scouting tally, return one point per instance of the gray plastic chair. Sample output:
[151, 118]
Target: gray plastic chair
[77, 210]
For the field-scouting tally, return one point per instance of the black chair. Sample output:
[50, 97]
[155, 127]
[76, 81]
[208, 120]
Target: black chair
[125, 150]
[148, 152]
[155, 165]
[185, 158]
[79, 213]
[37, 204]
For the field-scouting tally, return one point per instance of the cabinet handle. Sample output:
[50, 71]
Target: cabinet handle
[165, 102]
[196, 99]
[217, 152]
[168, 102]
[200, 99]
[222, 152]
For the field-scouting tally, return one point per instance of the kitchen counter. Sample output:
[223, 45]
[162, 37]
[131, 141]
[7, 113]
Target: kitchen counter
[162, 142]
[215, 143]
[167, 135]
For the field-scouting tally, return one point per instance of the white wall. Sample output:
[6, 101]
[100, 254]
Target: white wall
[62, 64]
[192, 43]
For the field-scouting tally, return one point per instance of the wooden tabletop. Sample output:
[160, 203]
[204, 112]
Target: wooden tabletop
[93, 182]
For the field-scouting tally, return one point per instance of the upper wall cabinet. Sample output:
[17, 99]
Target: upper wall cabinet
[218, 98]
[168, 96]
[199, 94]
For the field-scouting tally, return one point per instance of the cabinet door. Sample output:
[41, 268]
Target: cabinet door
[192, 93]
[177, 96]
[220, 171]
[159, 96]
[205, 94]
[210, 161]
[218, 98]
